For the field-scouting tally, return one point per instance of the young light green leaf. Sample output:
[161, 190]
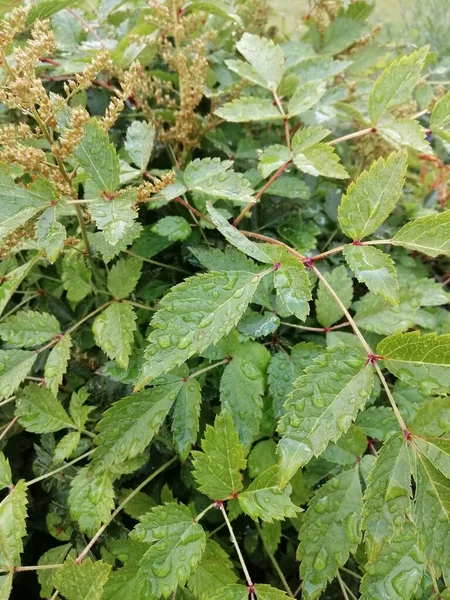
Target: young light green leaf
[174, 228]
[320, 159]
[56, 364]
[236, 238]
[66, 446]
[397, 570]
[322, 406]
[370, 199]
[54, 556]
[284, 369]
[115, 217]
[98, 157]
[432, 515]
[50, 234]
[327, 311]
[396, 83]
[5, 472]
[83, 581]
[421, 360]
[139, 143]
[240, 592]
[308, 137]
[91, 499]
[13, 512]
[12, 281]
[194, 315]
[19, 204]
[77, 409]
[214, 572]
[429, 234]
[264, 56]
[405, 132]
[263, 499]
[215, 178]
[76, 276]
[129, 425]
[249, 108]
[440, 115]
[246, 71]
[177, 545]
[305, 97]
[123, 277]
[387, 499]
[374, 268]
[217, 468]
[185, 420]
[330, 531]
[40, 411]
[272, 158]
[291, 282]
[113, 331]
[28, 328]
[14, 367]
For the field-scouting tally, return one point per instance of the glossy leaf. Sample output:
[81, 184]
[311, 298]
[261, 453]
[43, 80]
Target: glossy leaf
[5, 472]
[40, 411]
[185, 419]
[217, 468]
[50, 234]
[56, 365]
[13, 512]
[76, 277]
[12, 281]
[28, 328]
[320, 159]
[240, 592]
[79, 582]
[54, 556]
[328, 311]
[98, 157]
[249, 108]
[374, 268]
[139, 143]
[305, 97]
[215, 178]
[429, 234]
[115, 217]
[113, 331]
[91, 499]
[214, 572]
[14, 367]
[123, 277]
[264, 56]
[66, 446]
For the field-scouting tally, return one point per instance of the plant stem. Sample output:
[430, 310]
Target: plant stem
[298, 590]
[351, 572]
[203, 513]
[138, 305]
[13, 310]
[238, 550]
[274, 562]
[87, 27]
[285, 119]
[340, 248]
[269, 240]
[341, 585]
[8, 427]
[352, 136]
[7, 401]
[122, 505]
[193, 210]
[206, 369]
[155, 262]
[316, 329]
[32, 568]
[391, 398]
[69, 464]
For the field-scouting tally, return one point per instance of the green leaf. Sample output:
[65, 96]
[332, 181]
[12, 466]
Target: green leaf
[421, 360]
[440, 115]
[123, 277]
[308, 137]
[272, 158]
[138, 505]
[263, 499]
[91, 499]
[242, 387]
[194, 315]
[397, 571]
[39, 411]
[320, 159]
[342, 33]
[13, 512]
[429, 234]
[432, 515]
[98, 157]
[330, 532]
[264, 56]
[114, 331]
[177, 545]
[378, 422]
[19, 204]
[396, 83]
[256, 325]
[44, 9]
[371, 198]
[432, 418]
[327, 311]
[54, 556]
[373, 313]
[12, 280]
[83, 581]
[236, 238]
[56, 364]
[185, 420]
[28, 328]
[76, 277]
[174, 228]
[139, 143]
[115, 217]
[5, 472]
[249, 108]
[14, 367]
[288, 186]
[246, 71]
[405, 132]
[217, 468]
[50, 234]
[240, 592]
[305, 97]
[284, 369]
[291, 282]
[374, 268]
[213, 177]
[214, 572]
[129, 425]
[437, 451]
[78, 411]
[108, 251]
[322, 406]
[66, 446]
[387, 499]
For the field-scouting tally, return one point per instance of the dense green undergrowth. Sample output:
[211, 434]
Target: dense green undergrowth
[225, 357]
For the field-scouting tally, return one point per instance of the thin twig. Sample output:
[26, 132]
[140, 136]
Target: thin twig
[391, 398]
[315, 329]
[61, 468]
[206, 369]
[87, 27]
[7, 401]
[274, 562]
[341, 585]
[138, 304]
[8, 427]
[156, 263]
[13, 310]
